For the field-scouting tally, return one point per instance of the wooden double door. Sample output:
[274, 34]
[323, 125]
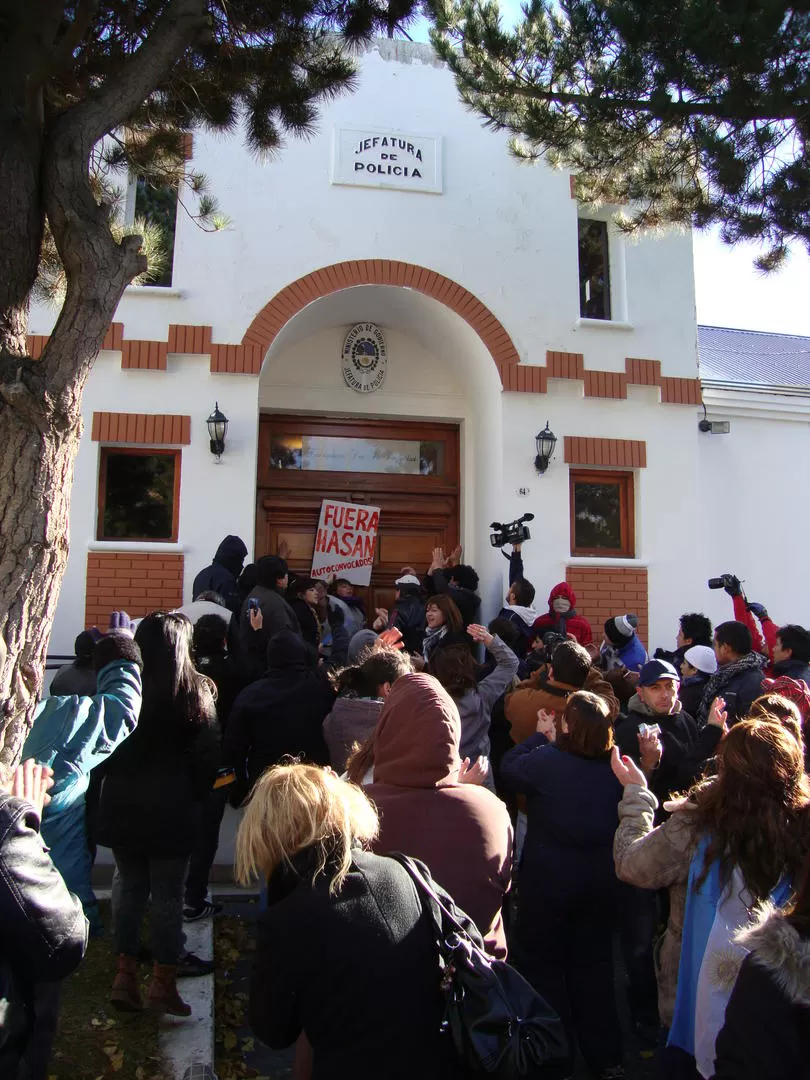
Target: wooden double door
[409, 470]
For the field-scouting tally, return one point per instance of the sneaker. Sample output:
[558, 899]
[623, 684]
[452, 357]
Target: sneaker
[190, 966]
[205, 910]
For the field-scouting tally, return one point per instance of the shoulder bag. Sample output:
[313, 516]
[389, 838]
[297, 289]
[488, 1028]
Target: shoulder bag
[499, 1024]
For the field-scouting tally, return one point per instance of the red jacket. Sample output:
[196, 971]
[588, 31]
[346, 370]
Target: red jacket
[569, 623]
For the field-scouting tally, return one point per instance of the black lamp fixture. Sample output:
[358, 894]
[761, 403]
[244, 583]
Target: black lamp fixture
[545, 442]
[217, 427]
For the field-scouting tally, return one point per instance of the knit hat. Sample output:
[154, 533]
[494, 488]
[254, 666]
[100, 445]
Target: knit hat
[620, 629]
[360, 642]
[701, 657]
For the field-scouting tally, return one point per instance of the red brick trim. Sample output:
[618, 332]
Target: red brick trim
[604, 591]
[149, 429]
[146, 355]
[626, 453]
[294, 297]
[137, 582]
[602, 384]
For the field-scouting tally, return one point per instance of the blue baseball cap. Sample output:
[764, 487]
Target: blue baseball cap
[654, 670]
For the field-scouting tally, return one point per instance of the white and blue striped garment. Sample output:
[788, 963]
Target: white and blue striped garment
[710, 958]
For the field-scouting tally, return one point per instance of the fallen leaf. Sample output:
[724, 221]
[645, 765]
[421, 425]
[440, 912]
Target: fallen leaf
[248, 1045]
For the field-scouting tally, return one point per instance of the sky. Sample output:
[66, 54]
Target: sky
[729, 291]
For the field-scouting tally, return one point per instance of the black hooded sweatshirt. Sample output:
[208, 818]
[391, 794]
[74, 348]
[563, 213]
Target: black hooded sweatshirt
[223, 572]
[279, 714]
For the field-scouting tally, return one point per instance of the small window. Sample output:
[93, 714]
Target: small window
[158, 207]
[138, 494]
[602, 516]
[594, 270]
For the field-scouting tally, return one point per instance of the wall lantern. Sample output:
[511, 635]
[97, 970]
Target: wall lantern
[545, 442]
[713, 427]
[217, 427]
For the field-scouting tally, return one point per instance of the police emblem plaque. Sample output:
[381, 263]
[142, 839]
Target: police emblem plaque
[364, 358]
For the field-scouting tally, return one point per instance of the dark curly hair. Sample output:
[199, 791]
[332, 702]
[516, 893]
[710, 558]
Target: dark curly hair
[757, 811]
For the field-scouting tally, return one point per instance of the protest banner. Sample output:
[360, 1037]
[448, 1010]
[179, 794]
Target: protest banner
[345, 541]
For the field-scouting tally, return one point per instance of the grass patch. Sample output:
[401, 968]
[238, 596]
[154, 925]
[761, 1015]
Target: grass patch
[232, 943]
[94, 1040]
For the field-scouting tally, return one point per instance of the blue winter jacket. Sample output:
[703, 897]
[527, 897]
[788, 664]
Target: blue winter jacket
[72, 735]
[633, 655]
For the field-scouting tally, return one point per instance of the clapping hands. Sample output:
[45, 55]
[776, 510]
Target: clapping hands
[625, 769]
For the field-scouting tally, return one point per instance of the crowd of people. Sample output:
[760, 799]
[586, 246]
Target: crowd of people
[571, 797]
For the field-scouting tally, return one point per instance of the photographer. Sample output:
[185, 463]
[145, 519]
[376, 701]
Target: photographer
[788, 647]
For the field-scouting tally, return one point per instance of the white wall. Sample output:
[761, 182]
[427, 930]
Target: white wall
[755, 518]
[214, 499]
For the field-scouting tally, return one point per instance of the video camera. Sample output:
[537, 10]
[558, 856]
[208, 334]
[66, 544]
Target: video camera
[514, 532]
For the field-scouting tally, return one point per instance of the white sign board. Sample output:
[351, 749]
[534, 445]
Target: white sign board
[383, 158]
[345, 541]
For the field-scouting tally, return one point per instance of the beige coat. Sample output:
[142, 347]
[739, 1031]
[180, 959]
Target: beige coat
[655, 859]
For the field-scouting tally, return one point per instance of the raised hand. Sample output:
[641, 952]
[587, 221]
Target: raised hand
[649, 751]
[284, 549]
[454, 558]
[718, 717]
[381, 621]
[475, 773]
[480, 633]
[438, 562]
[31, 781]
[625, 769]
[547, 724]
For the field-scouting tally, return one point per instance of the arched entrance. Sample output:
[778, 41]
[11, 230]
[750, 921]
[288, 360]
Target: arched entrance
[441, 400]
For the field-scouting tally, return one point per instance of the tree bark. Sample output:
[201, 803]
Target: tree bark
[40, 401]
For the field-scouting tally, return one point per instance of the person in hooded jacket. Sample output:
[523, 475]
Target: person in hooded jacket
[462, 831]
[253, 636]
[766, 1032]
[280, 713]
[222, 574]
[562, 617]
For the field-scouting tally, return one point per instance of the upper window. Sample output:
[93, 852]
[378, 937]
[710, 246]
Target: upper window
[594, 270]
[138, 494]
[157, 206]
[602, 513]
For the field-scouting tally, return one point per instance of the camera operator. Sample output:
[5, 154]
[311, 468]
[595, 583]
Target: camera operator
[518, 608]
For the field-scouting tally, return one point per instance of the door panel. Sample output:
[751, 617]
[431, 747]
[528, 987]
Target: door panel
[417, 512]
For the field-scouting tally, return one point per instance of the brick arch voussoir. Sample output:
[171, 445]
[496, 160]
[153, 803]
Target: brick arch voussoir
[294, 297]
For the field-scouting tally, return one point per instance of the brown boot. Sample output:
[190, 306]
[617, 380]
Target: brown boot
[125, 994]
[163, 996]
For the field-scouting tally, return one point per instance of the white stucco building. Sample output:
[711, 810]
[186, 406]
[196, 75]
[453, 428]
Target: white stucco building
[499, 313]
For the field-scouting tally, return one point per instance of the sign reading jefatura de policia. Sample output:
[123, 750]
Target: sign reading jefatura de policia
[380, 157]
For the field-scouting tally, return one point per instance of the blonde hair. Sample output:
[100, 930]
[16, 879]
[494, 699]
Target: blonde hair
[293, 807]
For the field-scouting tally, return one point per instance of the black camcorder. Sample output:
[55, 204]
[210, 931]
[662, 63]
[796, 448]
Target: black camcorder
[725, 581]
[514, 532]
